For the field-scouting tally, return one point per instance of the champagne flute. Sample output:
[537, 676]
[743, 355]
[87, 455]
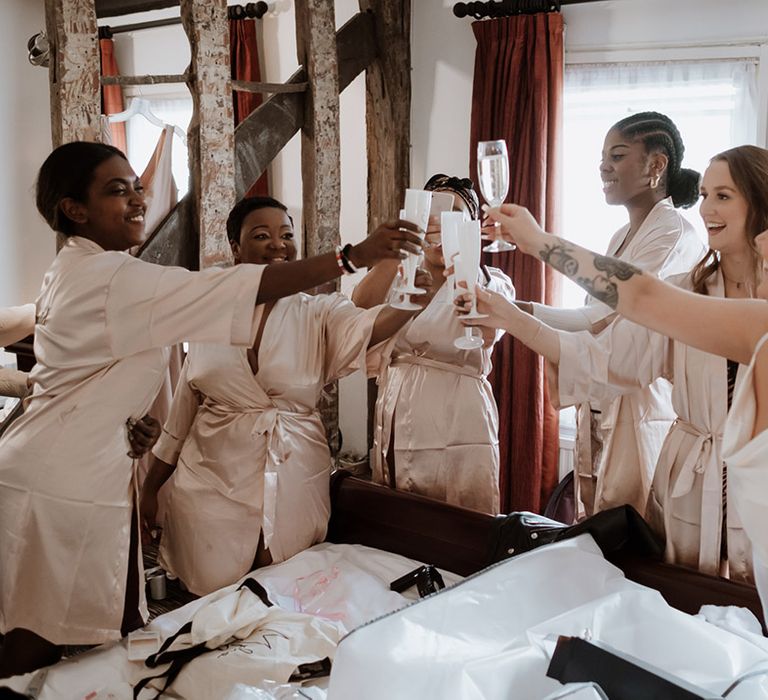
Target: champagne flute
[493, 174]
[417, 204]
[466, 267]
[449, 238]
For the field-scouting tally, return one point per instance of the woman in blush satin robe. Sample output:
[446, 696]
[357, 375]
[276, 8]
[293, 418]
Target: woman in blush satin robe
[70, 572]
[619, 440]
[686, 337]
[244, 448]
[436, 421]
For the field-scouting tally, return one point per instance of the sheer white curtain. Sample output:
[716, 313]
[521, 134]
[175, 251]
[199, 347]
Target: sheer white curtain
[713, 104]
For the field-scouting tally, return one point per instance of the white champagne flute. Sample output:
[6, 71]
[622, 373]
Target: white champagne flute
[466, 267]
[493, 175]
[449, 238]
[417, 204]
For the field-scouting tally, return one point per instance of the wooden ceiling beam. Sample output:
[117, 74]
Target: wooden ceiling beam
[260, 137]
[117, 8]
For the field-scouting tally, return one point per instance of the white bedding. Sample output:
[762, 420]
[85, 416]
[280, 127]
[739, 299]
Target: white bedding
[346, 584]
[492, 635]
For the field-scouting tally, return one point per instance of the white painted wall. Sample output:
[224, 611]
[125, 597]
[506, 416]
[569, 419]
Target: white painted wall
[444, 54]
[27, 245]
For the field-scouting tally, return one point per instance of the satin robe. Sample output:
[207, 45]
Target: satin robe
[251, 451]
[67, 490]
[747, 461]
[685, 500]
[630, 429]
[436, 401]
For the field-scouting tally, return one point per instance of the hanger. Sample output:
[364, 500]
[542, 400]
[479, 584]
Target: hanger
[139, 105]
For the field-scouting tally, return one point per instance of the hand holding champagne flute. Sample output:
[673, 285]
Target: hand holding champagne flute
[417, 205]
[466, 267]
[493, 175]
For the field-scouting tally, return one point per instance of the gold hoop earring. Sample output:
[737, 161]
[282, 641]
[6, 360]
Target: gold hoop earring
[655, 181]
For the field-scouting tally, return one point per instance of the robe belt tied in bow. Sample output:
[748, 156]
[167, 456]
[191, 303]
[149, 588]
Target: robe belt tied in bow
[702, 460]
[269, 422]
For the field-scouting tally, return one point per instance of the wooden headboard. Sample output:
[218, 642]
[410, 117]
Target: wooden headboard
[461, 541]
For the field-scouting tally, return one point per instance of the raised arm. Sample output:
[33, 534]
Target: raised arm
[730, 328]
[373, 288]
[503, 313]
[384, 244]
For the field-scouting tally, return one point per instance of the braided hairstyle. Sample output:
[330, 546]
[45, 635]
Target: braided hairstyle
[660, 135]
[461, 186]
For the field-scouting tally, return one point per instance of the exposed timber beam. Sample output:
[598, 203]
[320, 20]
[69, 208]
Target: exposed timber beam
[264, 133]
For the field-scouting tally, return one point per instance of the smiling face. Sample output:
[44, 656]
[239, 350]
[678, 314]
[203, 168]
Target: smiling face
[112, 213]
[724, 210]
[266, 236]
[433, 250]
[626, 168]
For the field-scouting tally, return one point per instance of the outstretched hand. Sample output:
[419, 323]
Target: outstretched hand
[391, 240]
[496, 307]
[517, 225]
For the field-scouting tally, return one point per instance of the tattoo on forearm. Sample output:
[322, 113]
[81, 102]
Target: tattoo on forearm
[613, 267]
[601, 286]
[559, 257]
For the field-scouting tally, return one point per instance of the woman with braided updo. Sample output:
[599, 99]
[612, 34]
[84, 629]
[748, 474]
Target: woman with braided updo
[619, 440]
[436, 422]
[692, 502]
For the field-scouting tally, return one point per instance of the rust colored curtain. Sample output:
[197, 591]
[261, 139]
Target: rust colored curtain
[517, 96]
[112, 95]
[244, 60]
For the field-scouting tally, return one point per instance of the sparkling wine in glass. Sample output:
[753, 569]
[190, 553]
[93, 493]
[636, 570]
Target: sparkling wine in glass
[467, 266]
[417, 205]
[493, 174]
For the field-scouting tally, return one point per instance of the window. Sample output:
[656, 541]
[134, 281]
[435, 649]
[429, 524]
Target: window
[713, 104]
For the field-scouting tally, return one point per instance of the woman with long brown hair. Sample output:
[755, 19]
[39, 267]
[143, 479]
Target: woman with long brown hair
[689, 502]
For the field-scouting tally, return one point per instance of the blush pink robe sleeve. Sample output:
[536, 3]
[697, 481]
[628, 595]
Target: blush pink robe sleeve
[251, 452]
[436, 409]
[66, 481]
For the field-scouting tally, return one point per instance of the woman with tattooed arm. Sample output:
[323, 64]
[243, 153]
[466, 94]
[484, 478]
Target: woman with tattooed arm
[697, 340]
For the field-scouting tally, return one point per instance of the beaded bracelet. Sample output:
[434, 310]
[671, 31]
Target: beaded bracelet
[340, 261]
[346, 260]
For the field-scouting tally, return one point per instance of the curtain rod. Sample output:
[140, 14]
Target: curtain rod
[252, 10]
[507, 8]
